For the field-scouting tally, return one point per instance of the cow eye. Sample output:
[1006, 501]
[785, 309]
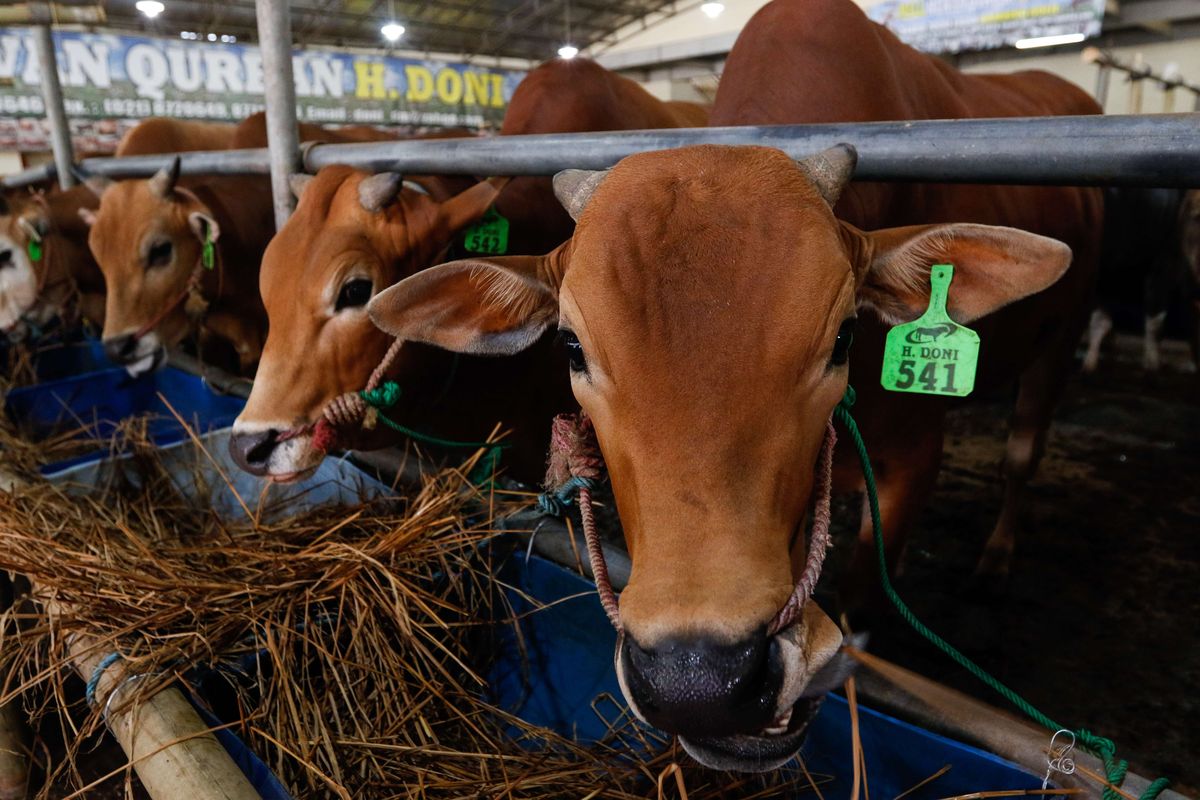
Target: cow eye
[841, 345]
[568, 340]
[159, 255]
[354, 293]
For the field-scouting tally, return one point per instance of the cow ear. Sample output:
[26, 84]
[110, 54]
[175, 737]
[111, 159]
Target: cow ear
[88, 216]
[466, 207]
[993, 267]
[496, 307]
[204, 226]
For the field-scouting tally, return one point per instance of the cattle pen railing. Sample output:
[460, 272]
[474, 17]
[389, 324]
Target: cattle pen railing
[1161, 150]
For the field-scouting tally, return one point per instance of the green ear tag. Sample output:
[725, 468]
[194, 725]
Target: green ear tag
[208, 254]
[35, 250]
[489, 235]
[934, 354]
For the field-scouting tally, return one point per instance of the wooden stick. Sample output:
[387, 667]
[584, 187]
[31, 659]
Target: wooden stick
[1103, 781]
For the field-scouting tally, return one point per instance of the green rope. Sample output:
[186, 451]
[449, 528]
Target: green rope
[1114, 769]
[387, 394]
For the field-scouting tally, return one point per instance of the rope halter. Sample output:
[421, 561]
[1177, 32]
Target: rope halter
[575, 465]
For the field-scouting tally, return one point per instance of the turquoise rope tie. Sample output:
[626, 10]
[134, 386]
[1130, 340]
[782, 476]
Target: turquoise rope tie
[94, 681]
[1105, 749]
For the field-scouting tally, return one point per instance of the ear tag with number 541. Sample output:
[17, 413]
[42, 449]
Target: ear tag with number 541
[934, 354]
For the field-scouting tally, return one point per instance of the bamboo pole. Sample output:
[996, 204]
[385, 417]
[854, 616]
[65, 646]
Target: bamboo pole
[173, 751]
[14, 753]
[931, 705]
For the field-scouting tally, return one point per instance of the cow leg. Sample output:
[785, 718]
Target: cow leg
[1040, 388]
[905, 477]
[1098, 328]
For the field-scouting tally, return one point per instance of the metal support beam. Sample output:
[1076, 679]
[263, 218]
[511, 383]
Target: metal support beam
[56, 115]
[283, 138]
[1122, 150]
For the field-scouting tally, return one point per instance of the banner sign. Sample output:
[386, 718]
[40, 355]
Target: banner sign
[117, 77]
[951, 26]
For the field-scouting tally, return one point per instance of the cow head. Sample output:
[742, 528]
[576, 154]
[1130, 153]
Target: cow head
[20, 278]
[353, 235]
[147, 237]
[707, 301]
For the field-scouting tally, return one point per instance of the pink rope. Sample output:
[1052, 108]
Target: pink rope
[818, 542]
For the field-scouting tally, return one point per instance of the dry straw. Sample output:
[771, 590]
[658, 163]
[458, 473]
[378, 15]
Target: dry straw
[348, 643]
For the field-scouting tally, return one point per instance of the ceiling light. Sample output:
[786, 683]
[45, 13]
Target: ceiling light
[1049, 41]
[568, 51]
[227, 39]
[392, 31]
[712, 10]
[151, 8]
[212, 37]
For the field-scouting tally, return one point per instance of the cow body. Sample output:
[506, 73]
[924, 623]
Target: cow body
[812, 61]
[315, 354]
[164, 135]
[66, 284]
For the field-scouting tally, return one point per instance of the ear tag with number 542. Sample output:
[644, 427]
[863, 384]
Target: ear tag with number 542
[489, 235]
[934, 354]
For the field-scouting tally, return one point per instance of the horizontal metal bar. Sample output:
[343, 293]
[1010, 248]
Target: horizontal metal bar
[1143, 150]
[1130, 150]
[38, 174]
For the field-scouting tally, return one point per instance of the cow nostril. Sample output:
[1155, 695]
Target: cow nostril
[120, 348]
[260, 451]
[6, 259]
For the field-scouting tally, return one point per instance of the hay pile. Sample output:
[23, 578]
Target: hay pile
[348, 639]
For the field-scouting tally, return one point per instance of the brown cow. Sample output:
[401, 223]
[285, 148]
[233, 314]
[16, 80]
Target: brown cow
[66, 283]
[353, 235]
[707, 300]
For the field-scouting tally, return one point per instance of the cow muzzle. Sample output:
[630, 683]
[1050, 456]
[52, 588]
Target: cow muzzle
[138, 354]
[744, 706]
[266, 452]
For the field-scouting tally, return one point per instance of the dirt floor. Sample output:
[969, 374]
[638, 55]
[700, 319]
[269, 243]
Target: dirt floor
[1099, 624]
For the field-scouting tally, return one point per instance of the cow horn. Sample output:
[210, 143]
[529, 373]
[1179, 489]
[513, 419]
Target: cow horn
[98, 184]
[830, 170]
[163, 182]
[298, 182]
[378, 191]
[574, 188]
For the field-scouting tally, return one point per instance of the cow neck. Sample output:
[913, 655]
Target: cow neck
[576, 464]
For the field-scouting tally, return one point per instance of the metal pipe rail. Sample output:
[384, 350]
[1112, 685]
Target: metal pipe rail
[1136, 72]
[1131, 150]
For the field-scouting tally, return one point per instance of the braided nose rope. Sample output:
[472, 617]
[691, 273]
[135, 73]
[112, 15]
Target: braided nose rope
[575, 465]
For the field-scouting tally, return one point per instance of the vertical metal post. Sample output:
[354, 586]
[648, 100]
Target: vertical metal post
[1103, 73]
[275, 42]
[1137, 74]
[60, 132]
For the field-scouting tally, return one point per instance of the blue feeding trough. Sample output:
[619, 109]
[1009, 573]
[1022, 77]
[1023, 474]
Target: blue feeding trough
[565, 662]
[98, 401]
[62, 360]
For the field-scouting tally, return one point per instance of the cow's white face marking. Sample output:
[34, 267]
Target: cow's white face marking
[290, 460]
[148, 355]
[18, 283]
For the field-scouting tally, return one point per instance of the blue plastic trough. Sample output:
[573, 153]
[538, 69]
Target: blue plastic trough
[102, 399]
